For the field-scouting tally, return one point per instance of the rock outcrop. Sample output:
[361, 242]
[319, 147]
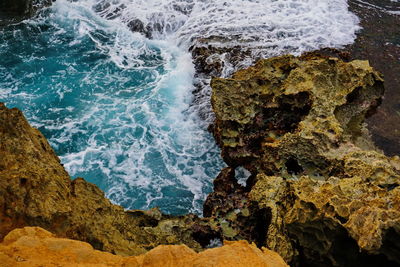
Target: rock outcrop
[319, 193]
[35, 190]
[34, 247]
[13, 11]
[378, 43]
[297, 124]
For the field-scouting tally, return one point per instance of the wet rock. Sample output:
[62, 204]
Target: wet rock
[297, 124]
[13, 11]
[183, 7]
[212, 58]
[378, 41]
[137, 25]
[34, 247]
[35, 190]
[109, 10]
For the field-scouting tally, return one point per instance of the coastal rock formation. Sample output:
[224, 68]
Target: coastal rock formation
[211, 58]
[297, 124]
[319, 193]
[13, 11]
[35, 190]
[34, 247]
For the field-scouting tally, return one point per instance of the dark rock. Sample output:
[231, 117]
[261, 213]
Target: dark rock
[236, 216]
[13, 11]
[379, 42]
[137, 25]
[319, 189]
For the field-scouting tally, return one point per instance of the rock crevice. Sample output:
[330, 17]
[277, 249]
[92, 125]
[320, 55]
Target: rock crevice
[35, 190]
[297, 124]
[319, 193]
[35, 247]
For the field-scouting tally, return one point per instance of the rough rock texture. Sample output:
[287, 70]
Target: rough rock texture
[35, 190]
[232, 214]
[34, 247]
[297, 124]
[13, 11]
[212, 58]
[379, 42]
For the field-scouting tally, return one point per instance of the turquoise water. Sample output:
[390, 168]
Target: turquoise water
[114, 105]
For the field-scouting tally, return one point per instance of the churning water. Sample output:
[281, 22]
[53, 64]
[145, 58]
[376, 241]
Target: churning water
[116, 105]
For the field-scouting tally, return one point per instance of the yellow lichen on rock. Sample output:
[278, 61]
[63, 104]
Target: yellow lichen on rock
[36, 247]
[35, 190]
[331, 197]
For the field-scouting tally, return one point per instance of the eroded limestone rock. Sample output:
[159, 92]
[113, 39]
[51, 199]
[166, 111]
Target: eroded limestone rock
[34, 247]
[288, 111]
[297, 124]
[35, 190]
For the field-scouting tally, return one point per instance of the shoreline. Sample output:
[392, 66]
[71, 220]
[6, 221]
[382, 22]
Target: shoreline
[284, 197]
[379, 43]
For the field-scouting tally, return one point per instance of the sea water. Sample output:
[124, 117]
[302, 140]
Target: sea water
[117, 106]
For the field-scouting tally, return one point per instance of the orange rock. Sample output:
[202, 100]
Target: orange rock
[238, 253]
[34, 247]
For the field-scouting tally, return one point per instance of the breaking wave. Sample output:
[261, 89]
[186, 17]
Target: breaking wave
[116, 105]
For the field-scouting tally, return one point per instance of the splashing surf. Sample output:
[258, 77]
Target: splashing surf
[116, 104]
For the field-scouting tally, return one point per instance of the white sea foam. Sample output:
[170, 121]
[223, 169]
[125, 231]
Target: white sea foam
[242, 175]
[265, 27]
[153, 145]
[127, 135]
[279, 25]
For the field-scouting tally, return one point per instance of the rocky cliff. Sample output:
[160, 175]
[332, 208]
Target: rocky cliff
[319, 193]
[35, 190]
[34, 247]
[327, 196]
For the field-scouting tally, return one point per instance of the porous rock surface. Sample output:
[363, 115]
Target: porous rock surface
[319, 194]
[35, 190]
[34, 247]
[297, 124]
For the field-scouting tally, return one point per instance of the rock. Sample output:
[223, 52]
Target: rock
[339, 222]
[297, 124]
[35, 190]
[379, 42]
[213, 57]
[34, 247]
[229, 209]
[13, 11]
[266, 112]
[137, 25]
